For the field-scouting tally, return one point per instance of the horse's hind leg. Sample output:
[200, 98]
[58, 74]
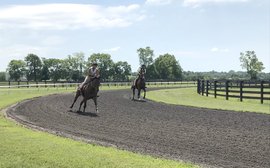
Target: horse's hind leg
[76, 97]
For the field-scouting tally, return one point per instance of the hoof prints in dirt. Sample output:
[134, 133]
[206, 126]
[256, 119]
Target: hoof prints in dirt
[202, 136]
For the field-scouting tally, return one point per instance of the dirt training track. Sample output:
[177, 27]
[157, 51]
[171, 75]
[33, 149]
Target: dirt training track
[212, 138]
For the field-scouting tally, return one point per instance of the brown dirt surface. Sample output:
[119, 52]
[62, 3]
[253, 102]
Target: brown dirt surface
[213, 138]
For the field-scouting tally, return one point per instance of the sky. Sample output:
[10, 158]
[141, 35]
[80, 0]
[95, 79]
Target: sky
[203, 35]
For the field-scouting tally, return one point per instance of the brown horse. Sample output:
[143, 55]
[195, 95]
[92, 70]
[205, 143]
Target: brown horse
[139, 85]
[89, 91]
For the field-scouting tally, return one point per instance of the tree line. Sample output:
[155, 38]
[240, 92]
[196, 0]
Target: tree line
[75, 66]
[164, 67]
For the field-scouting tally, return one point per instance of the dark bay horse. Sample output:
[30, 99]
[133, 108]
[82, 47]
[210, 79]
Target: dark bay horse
[89, 91]
[139, 85]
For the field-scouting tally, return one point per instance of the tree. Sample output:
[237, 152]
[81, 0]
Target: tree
[2, 76]
[145, 56]
[251, 63]
[16, 69]
[75, 64]
[34, 65]
[167, 67]
[122, 70]
[151, 72]
[45, 73]
[55, 68]
[105, 64]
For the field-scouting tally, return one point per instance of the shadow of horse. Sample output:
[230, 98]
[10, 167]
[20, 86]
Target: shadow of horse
[90, 114]
[139, 85]
[89, 91]
[136, 100]
[87, 114]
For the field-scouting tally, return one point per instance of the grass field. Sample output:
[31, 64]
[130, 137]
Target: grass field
[22, 147]
[189, 97]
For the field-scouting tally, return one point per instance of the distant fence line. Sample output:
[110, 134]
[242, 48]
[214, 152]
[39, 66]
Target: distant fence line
[27, 84]
[235, 89]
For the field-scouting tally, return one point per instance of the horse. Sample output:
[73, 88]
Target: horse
[139, 85]
[89, 91]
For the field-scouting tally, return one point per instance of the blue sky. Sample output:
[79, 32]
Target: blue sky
[203, 35]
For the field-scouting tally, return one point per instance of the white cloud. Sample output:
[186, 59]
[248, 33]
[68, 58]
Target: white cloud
[198, 3]
[158, 2]
[61, 16]
[215, 49]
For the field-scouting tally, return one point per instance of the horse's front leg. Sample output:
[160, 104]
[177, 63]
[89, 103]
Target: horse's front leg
[95, 101]
[81, 105]
[133, 90]
[75, 99]
[139, 93]
[144, 93]
[84, 105]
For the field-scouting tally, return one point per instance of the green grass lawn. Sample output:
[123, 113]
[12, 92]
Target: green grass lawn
[22, 147]
[189, 97]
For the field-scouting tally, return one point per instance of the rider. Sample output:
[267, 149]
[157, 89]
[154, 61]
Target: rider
[141, 72]
[93, 73]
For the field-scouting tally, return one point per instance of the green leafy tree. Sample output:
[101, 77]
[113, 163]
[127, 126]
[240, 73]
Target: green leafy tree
[55, 68]
[34, 66]
[145, 56]
[151, 72]
[45, 73]
[168, 67]
[105, 64]
[251, 63]
[75, 65]
[2, 76]
[122, 70]
[16, 69]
